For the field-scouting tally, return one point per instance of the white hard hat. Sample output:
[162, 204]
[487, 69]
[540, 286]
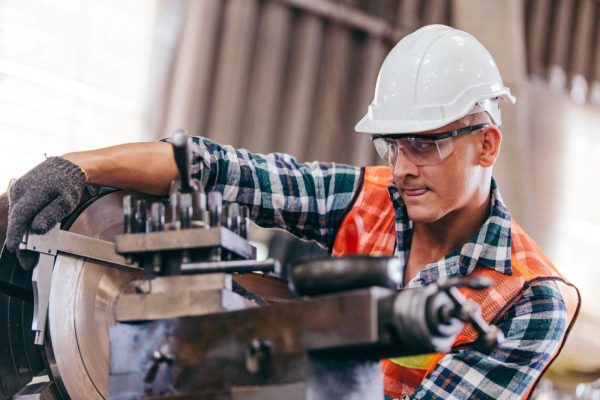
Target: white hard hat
[432, 77]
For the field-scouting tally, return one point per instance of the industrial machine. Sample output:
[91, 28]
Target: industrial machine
[139, 297]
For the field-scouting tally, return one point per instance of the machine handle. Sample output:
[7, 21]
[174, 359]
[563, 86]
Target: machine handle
[157, 359]
[182, 152]
[489, 336]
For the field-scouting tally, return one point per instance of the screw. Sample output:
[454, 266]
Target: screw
[258, 355]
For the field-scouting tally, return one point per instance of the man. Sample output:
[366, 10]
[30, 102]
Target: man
[435, 118]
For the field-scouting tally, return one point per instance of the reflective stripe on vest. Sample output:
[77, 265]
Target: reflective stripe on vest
[373, 211]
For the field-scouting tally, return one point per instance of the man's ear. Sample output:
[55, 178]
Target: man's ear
[490, 146]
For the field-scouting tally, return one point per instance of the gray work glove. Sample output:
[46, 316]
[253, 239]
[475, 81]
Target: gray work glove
[40, 199]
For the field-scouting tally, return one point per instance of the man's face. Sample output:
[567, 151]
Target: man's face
[433, 192]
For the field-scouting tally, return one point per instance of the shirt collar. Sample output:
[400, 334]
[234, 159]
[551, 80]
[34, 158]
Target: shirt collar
[490, 247]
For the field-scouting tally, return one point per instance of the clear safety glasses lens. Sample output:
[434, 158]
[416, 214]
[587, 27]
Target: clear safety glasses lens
[419, 151]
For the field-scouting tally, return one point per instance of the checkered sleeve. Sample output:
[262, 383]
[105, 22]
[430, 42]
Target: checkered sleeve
[534, 327]
[307, 199]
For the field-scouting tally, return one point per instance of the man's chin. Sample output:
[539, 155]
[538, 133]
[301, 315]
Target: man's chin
[420, 215]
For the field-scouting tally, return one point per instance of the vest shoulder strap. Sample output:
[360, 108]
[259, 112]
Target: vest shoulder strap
[368, 227]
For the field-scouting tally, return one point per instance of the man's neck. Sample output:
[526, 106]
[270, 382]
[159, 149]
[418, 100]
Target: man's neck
[432, 241]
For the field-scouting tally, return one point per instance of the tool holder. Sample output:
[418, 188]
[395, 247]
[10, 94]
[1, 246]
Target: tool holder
[192, 232]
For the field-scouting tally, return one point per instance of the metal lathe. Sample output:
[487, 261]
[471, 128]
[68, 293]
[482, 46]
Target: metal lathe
[139, 297]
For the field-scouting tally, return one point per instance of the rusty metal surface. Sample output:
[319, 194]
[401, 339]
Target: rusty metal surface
[265, 288]
[205, 347]
[316, 341]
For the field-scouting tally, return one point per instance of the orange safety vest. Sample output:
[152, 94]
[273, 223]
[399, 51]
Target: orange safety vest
[374, 208]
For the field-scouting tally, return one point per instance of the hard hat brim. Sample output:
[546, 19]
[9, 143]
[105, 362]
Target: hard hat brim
[369, 125]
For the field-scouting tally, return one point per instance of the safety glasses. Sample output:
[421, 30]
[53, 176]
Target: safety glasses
[420, 149]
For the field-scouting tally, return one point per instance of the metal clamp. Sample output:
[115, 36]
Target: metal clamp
[49, 245]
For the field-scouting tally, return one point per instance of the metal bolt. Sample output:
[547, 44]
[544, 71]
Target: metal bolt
[258, 355]
[157, 358]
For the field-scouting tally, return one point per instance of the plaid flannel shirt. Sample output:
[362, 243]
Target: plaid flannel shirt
[311, 199]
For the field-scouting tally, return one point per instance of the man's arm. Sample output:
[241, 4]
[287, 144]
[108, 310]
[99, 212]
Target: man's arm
[306, 199]
[534, 328]
[143, 167]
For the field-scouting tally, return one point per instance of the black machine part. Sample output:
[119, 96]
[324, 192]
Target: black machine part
[183, 158]
[446, 310]
[445, 307]
[329, 275]
[20, 359]
[314, 342]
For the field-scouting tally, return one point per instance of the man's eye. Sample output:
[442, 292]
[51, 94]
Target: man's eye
[422, 145]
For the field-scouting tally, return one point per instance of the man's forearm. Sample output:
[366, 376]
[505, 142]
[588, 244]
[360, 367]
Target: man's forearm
[144, 167]
[307, 199]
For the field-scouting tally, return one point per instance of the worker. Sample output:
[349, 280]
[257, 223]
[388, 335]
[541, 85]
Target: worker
[435, 119]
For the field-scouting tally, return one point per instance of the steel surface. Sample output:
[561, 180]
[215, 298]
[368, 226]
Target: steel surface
[82, 301]
[327, 275]
[68, 242]
[185, 239]
[176, 303]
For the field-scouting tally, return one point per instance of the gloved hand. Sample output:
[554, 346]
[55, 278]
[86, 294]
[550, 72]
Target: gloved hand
[40, 199]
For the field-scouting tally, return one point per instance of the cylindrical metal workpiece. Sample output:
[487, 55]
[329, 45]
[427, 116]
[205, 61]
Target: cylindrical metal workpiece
[141, 216]
[185, 210]
[157, 216]
[225, 218]
[199, 205]
[128, 214]
[215, 206]
[173, 217]
[244, 221]
[234, 216]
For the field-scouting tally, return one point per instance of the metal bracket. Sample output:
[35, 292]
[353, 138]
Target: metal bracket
[59, 241]
[42, 281]
[184, 239]
[49, 245]
[40, 388]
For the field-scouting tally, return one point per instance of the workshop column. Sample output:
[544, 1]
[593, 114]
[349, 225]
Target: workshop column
[499, 26]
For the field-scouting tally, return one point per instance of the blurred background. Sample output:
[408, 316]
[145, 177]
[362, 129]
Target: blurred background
[295, 76]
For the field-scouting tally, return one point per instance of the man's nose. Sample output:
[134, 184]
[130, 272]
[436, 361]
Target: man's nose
[402, 166]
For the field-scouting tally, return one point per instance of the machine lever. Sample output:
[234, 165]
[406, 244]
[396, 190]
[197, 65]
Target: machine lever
[158, 358]
[489, 336]
[182, 152]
